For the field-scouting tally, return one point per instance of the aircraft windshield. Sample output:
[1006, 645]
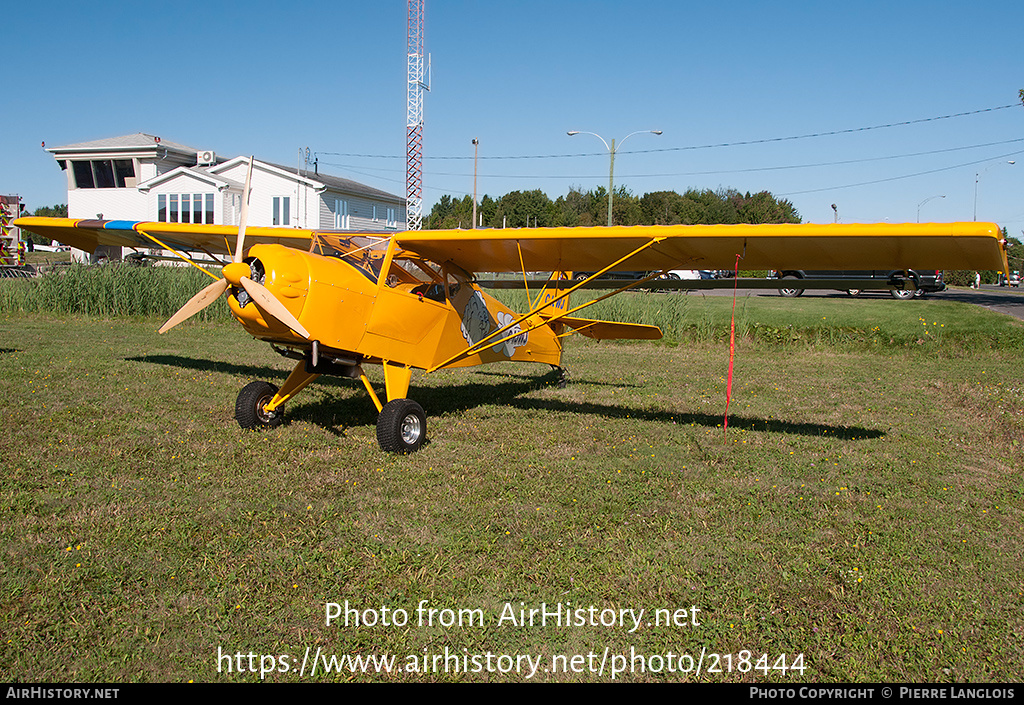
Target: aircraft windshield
[408, 271]
[364, 253]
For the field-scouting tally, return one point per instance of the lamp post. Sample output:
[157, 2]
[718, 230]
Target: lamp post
[922, 203]
[476, 152]
[978, 176]
[611, 169]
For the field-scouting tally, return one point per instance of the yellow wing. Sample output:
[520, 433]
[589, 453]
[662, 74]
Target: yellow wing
[216, 239]
[803, 246]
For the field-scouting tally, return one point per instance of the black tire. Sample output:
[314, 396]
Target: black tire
[791, 293]
[249, 405]
[401, 426]
[902, 294]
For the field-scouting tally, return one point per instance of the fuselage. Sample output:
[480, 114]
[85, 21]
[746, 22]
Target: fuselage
[417, 314]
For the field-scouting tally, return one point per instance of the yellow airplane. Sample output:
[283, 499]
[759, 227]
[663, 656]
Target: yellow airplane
[338, 301]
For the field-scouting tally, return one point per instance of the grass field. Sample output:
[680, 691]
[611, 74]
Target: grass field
[860, 521]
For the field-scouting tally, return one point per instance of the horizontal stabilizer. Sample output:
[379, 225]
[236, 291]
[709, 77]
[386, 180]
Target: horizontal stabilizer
[611, 330]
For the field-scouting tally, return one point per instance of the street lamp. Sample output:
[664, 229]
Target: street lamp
[611, 169]
[922, 203]
[476, 153]
[977, 176]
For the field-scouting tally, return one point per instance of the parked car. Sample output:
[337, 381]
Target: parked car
[923, 281]
[580, 276]
[1013, 279]
[674, 274]
[690, 274]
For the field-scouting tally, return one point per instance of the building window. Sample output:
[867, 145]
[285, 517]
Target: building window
[104, 173]
[124, 173]
[341, 217]
[185, 208]
[392, 221]
[83, 175]
[282, 210]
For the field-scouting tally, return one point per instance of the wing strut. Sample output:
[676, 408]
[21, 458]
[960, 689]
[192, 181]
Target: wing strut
[522, 268]
[182, 256]
[534, 310]
[564, 314]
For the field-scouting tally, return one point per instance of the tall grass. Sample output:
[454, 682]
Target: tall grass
[110, 291]
[879, 324]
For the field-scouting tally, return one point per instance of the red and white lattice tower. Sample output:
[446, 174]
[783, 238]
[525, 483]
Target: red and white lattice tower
[414, 118]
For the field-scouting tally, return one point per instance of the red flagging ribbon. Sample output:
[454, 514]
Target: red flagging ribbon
[732, 348]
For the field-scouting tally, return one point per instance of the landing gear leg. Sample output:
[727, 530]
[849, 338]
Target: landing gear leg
[401, 424]
[563, 376]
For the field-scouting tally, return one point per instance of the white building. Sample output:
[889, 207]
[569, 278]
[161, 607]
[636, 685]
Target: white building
[141, 177]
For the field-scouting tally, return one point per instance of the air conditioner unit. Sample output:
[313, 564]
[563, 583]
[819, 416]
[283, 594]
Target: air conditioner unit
[206, 158]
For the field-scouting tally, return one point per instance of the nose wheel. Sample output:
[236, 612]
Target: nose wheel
[401, 426]
[249, 406]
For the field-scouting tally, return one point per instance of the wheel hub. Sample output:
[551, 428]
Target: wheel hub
[261, 409]
[411, 428]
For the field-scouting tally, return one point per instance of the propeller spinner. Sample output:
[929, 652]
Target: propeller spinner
[238, 274]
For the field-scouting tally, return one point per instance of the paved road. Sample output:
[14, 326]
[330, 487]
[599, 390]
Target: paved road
[998, 298]
[1001, 299]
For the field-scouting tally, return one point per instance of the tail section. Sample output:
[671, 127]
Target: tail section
[592, 328]
[612, 330]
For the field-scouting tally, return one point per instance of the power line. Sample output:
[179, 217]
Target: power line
[785, 167]
[831, 133]
[692, 147]
[899, 178]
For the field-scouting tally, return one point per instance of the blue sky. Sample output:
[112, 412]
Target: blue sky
[275, 78]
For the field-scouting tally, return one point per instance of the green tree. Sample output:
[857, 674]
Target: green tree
[1014, 252]
[574, 209]
[662, 208]
[523, 209]
[764, 208]
[449, 213]
[59, 210]
[519, 209]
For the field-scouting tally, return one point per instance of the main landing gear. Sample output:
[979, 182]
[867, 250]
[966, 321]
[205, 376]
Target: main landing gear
[401, 423]
[401, 426]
